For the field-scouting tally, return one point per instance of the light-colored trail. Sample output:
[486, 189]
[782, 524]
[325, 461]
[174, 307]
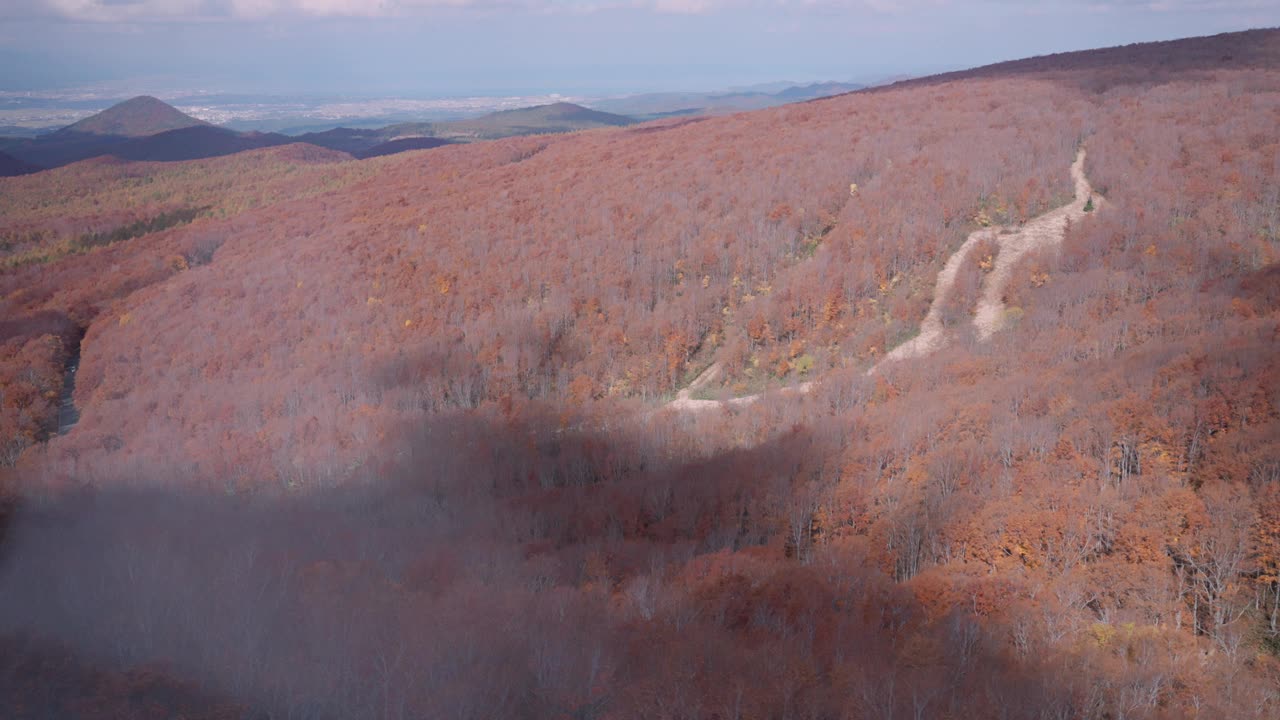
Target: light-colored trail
[685, 402]
[1044, 231]
[1013, 241]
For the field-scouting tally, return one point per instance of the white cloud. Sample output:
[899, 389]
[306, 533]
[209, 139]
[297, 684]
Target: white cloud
[120, 10]
[115, 11]
[107, 11]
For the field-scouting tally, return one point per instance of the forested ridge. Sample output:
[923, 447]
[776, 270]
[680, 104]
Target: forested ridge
[388, 438]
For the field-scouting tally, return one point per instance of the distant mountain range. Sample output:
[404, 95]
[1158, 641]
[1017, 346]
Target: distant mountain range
[144, 128]
[189, 143]
[555, 118]
[660, 105]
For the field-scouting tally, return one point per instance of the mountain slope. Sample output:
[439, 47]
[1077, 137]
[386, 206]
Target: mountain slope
[872, 251]
[1138, 63]
[411, 405]
[136, 117]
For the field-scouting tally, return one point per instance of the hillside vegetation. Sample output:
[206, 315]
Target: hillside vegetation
[386, 439]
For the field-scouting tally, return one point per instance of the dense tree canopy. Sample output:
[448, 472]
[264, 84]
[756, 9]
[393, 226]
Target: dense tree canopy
[414, 410]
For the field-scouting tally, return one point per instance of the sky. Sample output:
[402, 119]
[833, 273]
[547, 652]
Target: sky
[466, 47]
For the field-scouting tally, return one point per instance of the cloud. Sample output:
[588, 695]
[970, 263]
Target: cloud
[120, 11]
[113, 11]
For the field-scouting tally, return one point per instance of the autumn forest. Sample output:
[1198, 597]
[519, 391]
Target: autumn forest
[957, 397]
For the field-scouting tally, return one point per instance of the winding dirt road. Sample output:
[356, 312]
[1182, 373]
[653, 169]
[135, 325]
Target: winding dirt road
[1044, 231]
[1013, 241]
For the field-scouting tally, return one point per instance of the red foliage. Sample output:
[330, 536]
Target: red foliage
[1076, 517]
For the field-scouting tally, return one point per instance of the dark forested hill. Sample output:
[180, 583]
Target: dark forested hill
[395, 437]
[400, 145]
[10, 166]
[193, 143]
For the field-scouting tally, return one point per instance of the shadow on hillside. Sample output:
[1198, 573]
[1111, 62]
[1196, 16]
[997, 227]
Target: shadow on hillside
[40, 680]
[502, 568]
[35, 324]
